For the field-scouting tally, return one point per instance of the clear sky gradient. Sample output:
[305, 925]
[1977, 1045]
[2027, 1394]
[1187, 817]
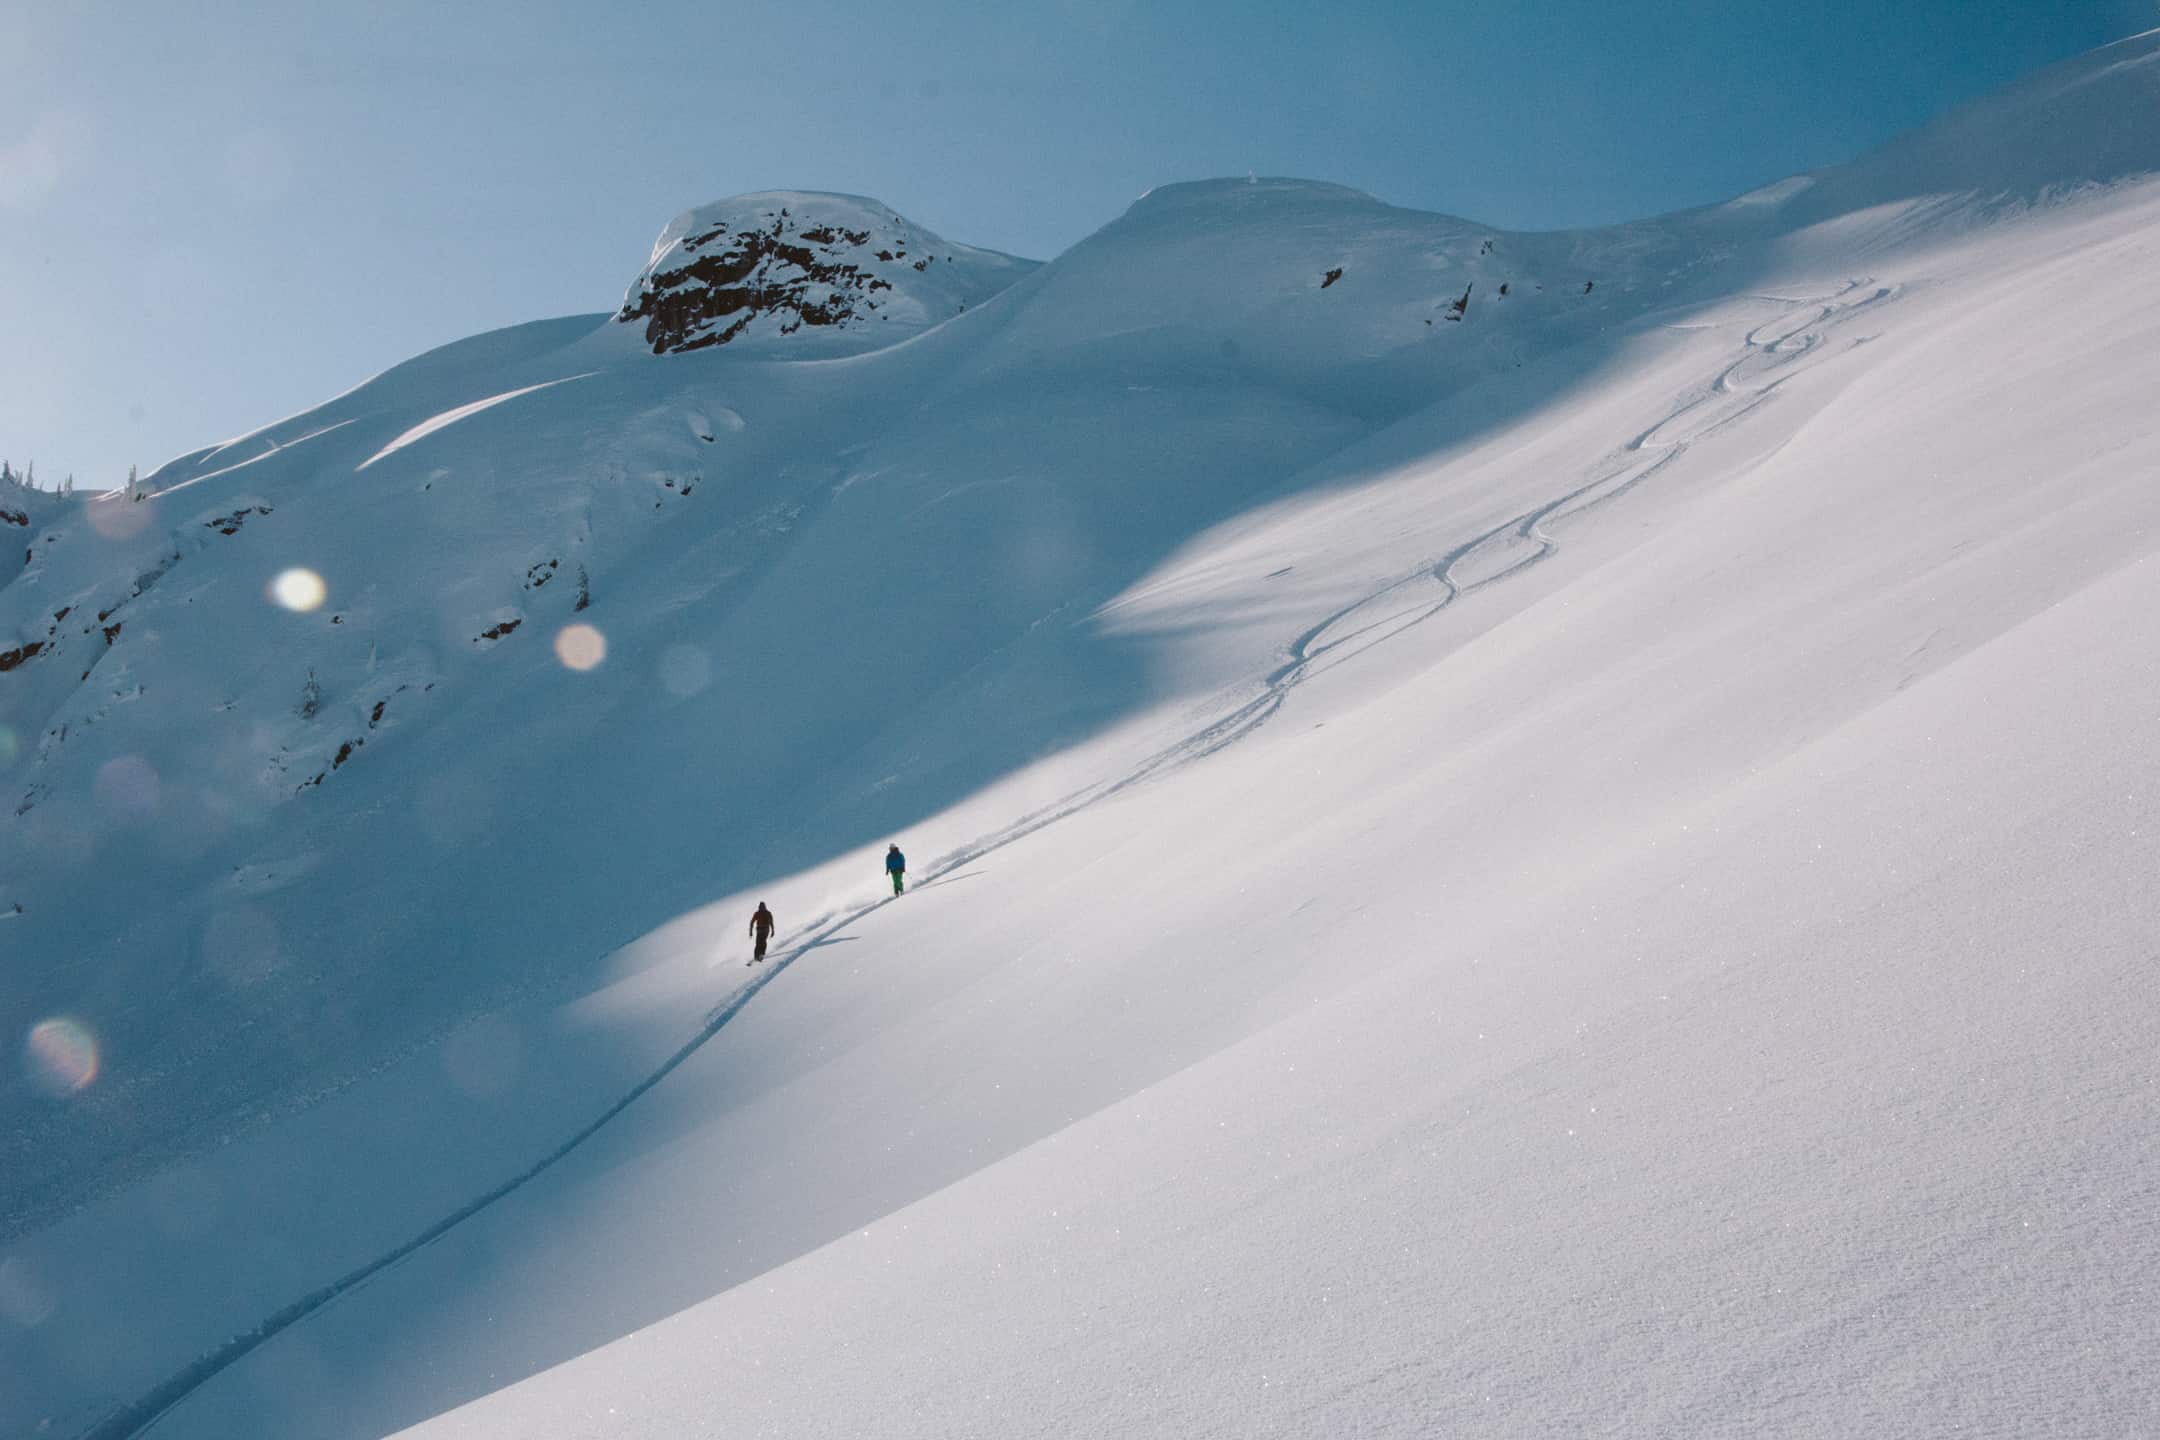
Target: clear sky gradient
[212, 214]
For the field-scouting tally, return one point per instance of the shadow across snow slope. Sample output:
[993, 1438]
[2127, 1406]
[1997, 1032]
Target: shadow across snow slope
[839, 597]
[268, 850]
[1422, 934]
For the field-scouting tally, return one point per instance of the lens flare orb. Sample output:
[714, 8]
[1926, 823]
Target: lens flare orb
[299, 590]
[25, 1298]
[61, 1056]
[684, 670]
[580, 647]
[127, 788]
[116, 517]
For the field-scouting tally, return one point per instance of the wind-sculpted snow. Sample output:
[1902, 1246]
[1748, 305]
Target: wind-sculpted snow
[1541, 829]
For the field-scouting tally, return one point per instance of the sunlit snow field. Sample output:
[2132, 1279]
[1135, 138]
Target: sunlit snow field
[1578, 865]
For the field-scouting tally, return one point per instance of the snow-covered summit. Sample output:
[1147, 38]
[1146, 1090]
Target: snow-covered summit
[769, 265]
[1248, 192]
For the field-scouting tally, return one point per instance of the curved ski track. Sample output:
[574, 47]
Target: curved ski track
[1774, 348]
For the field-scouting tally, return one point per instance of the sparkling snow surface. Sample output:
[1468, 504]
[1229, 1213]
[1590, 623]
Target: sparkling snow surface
[1586, 869]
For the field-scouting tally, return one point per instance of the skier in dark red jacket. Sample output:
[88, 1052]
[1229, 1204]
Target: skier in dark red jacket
[761, 928]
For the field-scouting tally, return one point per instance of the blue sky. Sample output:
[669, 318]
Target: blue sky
[213, 215]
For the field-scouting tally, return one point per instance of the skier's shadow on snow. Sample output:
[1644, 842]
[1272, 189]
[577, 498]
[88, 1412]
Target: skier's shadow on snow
[948, 880]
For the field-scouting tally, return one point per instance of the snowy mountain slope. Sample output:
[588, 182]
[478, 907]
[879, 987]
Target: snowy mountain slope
[1518, 1199]
[1651, 727]
[1586, 1060]
[1030, 1002]
[455, 501]
[24, 510]
[1332, 294]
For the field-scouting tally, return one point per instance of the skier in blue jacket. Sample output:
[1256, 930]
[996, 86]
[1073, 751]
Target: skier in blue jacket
[895, 866]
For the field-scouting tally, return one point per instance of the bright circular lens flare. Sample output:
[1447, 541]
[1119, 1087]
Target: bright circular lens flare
[61, 1056]
[580, 646]
[299, 590]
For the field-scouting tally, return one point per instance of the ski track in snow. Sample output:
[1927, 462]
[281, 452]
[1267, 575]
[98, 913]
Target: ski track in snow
[466, 411]
[1729, 397]
[270, 448]
[1775, 347]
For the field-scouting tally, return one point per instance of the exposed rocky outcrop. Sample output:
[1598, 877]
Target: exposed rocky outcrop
[770, 266]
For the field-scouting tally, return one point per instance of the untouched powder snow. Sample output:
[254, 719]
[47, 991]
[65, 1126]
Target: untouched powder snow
[1568, 862]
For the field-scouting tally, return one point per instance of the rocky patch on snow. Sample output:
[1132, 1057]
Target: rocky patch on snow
[765, 267]
[229, 523]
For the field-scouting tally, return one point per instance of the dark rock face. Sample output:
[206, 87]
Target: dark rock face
[770, 265]
[809, 278]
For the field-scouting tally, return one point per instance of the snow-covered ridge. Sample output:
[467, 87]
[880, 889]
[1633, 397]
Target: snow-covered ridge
[769, 265]
[2085, 122]
[24, 510]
